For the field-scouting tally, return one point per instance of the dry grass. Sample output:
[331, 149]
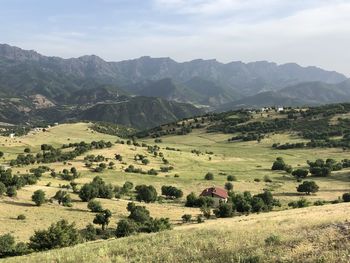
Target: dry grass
[315, 234]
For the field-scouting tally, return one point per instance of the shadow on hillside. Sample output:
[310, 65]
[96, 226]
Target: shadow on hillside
[18, 203]
[343, 177]
[77, 209]
[289, 194]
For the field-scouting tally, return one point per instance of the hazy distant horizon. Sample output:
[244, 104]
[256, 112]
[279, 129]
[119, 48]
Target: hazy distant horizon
[309, 33]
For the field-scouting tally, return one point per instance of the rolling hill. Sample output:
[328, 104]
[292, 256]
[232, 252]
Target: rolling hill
[307, 93]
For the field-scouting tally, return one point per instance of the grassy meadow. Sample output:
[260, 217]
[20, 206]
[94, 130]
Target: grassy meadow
[232, 239]
[313, 234]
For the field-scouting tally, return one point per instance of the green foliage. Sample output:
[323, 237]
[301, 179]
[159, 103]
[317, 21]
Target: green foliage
[7, 245]
[146, 193]
[126, 227]
[11, 191]
[229, 186]
[186, 218]
[140, 220]
[50, 154]
[171, 191]
[89, 233]
[113, 129]
[38, 197]
[103, 218]
[138, 214]
[209, 176]
[193, 201]
[308, 187]
[60, 234]
[279, 164]
[302, 202]
[95, 206]
[206, 211]
[231, 178]
[97, 188]
[62, 197]
[224, 210]
[300, 173]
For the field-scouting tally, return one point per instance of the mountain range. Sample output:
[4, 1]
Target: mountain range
[33, 87]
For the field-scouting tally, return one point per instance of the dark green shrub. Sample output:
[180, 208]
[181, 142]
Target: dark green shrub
[38, 197]
[60, 234]
[95, 206]
[11, 191]
[209, 176]
[186, 218]
[346, 197]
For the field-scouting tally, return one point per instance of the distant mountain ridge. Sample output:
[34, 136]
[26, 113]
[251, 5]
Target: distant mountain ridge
[236, 79]
[37, 87]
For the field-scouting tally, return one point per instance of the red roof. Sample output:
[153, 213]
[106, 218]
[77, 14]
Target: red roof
[215, 192]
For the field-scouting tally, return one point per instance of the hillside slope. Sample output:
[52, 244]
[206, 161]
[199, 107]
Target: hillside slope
[302, 235]
[307, 93]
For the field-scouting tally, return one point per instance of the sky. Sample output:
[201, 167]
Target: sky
[308, 32]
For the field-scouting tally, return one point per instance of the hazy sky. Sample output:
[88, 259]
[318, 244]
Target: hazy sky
[309, 32]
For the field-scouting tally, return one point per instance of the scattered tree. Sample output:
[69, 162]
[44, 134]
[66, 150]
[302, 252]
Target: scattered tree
[38, 197]
[308, 187]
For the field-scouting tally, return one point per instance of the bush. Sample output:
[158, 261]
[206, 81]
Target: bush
[302, 202]
[171, 191]
[186, 218]
[346, 197]
[193, 201]
[231, 178]
[60, 234]
[21, 217]
[319, 202]
[146, 193]
[279, 164]
[62, 197]
[126, 228]
[209, 176]
[7, 245]
[300, 173]
[38, 197]
[95, 206]
[103, 218]
[308, 187]
[139, 214]
[11, 191]
[224, 210]
[228, 186]
[97, 188]
[89, 233]
[88, 192]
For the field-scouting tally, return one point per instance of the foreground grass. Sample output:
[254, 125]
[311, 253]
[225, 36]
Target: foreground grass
[314, 234]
